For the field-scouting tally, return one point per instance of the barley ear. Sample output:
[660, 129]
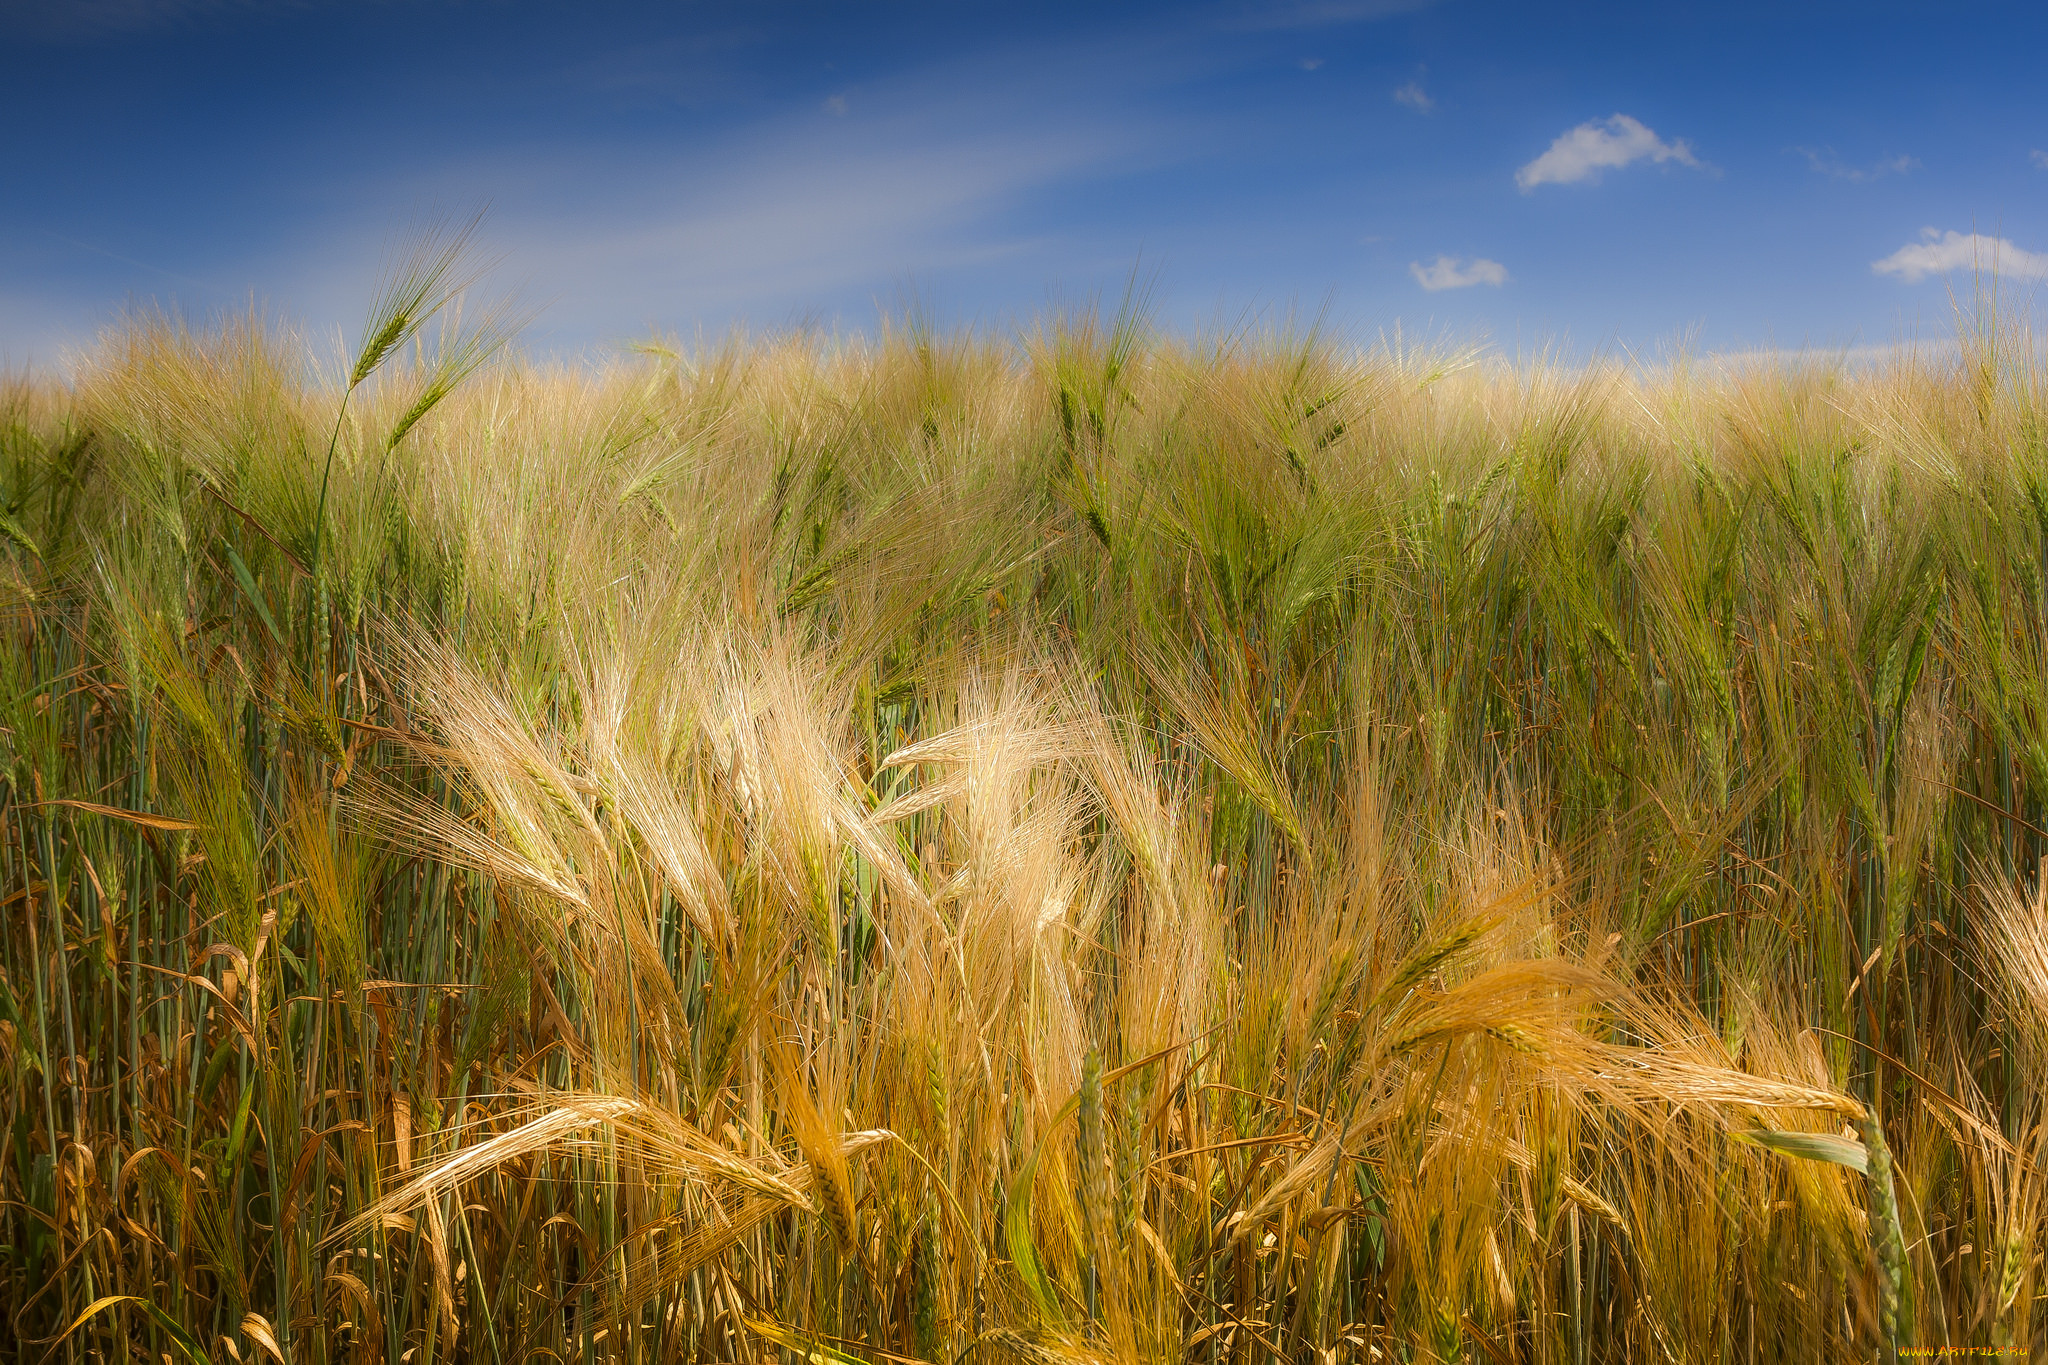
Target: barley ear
[2018, 1251]
[1091, 1154]
[927, 1268]
[1894, 1312]
[416, 286]
[378, 346]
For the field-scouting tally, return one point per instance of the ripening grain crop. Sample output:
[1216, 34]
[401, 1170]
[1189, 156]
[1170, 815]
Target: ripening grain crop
[1076, 846]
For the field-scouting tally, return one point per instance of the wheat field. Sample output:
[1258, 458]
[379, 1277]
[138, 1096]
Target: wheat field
[1080, 845]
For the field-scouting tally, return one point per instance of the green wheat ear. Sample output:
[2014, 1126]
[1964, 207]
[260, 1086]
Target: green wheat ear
[430, 272]
[463, 351]
[421, 282]
[2018, 1251]
[378, 347]
[1894, 1304]
[1091, 1154]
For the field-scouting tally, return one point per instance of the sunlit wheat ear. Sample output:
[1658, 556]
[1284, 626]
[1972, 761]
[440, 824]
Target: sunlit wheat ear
[2018, 949]
[662, 1140]
[818, 1139]
[1429, 957]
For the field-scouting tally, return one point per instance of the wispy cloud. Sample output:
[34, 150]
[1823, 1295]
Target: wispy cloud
[797, 225]
[157, 270]
[921, 179]
[45, 331]
[1283, 14]
[1451, 272]
[75, 20]
[1938, 252]
[2039, 158]
[1598, 145]
[1867, 356]
[1823, 161]
[1415, 97]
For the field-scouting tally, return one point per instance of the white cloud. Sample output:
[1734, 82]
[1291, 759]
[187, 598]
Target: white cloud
[1938, 252]
[2039, 158]
[1823, 161]
[835, 106]
[1597, 145]
[1415, 97]
[1449, 272]
[1310, 63]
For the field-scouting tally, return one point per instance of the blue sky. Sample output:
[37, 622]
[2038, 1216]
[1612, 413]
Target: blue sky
[1592, 176]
